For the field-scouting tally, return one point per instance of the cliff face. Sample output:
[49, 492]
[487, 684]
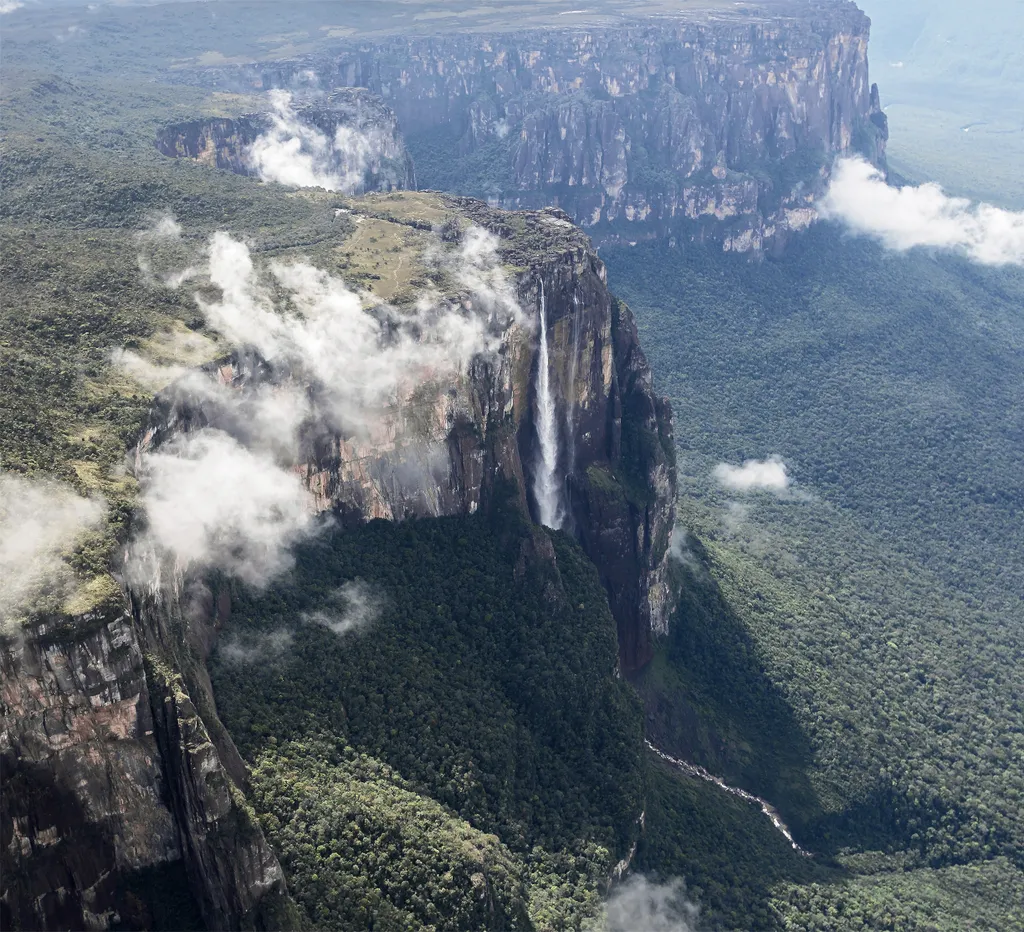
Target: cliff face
[446, 448]
[355, 125]
[716, 125]
[113, 790]
[83, 800]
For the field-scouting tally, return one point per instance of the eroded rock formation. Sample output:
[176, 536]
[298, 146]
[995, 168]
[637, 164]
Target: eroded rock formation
[114, 796]
[704, 124]
[227, 143]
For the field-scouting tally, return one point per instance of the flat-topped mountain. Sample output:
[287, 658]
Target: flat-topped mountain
[705, 122]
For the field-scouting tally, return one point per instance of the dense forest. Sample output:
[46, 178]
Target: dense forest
[457, 678]
[874, 605]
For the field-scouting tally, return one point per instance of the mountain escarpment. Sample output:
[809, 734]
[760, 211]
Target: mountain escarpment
[125, 800]
[705, 124]
[444, 448]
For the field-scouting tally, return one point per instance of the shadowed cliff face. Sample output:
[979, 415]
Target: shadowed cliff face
[699, 126]
[114, 794]
[83, 785]
[364, 122]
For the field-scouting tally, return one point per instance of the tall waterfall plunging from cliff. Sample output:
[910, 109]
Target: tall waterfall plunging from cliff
[570, 392]
[546, 484]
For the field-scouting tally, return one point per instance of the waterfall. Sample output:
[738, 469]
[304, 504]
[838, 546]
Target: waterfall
[570, 406]
[546, 485]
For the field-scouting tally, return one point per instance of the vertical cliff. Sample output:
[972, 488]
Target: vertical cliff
[356, 128]
[443, 448]
[116, 810]
[717, 123]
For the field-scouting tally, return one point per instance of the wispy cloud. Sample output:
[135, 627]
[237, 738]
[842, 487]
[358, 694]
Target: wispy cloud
[770, 475]
[262, 648]
[680, 548]
[39, 519]
[295, 153]
[353, 607]
[638, 905]
[922, 216]
[163, 258]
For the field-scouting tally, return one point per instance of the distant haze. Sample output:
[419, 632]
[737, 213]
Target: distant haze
[952, 81]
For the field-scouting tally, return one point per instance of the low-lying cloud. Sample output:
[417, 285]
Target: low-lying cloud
[211, 501]
[770, 475]
[227, 491]
[261, 648]
[163, 257]
[352, 607]
[922, 216]
[295, 153]
[38, 519]
[638, 905]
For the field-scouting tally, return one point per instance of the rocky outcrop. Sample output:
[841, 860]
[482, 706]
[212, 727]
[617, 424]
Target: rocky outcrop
[114, 798]
[706, 124]
[369, 138]
[83, 788]
[447, 448]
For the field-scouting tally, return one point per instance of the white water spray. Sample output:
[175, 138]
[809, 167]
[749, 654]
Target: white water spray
[546, 485]
[570, 407]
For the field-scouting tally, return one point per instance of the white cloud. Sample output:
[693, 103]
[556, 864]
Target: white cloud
[770, 474]
[363, 357]
[735, 517]
[229, 495]
[261, 648]
[680, 549]
[352, 607]
[9, 6]
[925, 216]
[295, 153]
[38, 518]
[638, 905]
[211, 501]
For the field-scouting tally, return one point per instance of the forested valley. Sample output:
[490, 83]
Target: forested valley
[877, 599]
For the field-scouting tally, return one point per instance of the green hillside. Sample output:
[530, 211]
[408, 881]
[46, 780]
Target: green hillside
[481, 669]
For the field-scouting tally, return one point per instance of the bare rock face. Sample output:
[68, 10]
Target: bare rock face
[449, 448]
[227, 143]
[111, 785]
[83, 799]
[716, 125]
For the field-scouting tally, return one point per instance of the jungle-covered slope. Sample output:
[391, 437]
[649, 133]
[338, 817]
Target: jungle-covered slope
[878, 600]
